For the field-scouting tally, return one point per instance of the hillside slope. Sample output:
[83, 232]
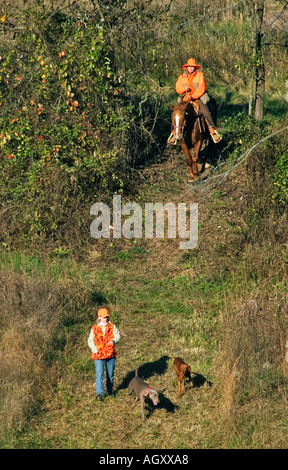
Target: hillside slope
[194, 304]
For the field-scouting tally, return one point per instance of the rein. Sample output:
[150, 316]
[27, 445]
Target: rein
[181, 128]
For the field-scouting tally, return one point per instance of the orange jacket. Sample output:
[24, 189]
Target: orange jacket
[195, 81]
[105, 350]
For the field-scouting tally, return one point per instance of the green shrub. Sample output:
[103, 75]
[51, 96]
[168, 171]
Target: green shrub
[280, 177]
[69, 131]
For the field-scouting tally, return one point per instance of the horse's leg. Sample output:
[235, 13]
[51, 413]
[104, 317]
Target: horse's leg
[188, 158]
[196, 150]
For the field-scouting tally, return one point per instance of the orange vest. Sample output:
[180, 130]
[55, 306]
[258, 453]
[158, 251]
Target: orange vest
[195, 81]
[105, 350]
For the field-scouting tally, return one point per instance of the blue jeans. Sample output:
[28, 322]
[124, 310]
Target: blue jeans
[109, 365]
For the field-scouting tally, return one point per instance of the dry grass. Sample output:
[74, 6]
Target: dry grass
[34, 313]
[222, 307]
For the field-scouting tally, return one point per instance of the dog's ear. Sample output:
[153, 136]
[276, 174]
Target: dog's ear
[171, 106]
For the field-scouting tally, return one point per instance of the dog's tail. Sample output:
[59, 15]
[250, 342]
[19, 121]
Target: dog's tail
[172, 357]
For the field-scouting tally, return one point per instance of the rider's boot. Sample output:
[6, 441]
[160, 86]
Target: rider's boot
[214, 134]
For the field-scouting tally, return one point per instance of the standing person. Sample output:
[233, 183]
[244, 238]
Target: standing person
[102, 339]
[192, 85]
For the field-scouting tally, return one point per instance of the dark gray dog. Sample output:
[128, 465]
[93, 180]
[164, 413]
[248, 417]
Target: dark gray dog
[142, 390]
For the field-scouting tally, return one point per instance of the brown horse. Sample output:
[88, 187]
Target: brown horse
[189, 127]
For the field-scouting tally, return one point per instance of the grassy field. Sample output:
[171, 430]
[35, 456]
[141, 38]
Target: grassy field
[220, 306]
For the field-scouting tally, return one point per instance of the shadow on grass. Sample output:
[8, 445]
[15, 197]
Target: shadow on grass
[146, 371]
[199, 380]
[164, 404]
[276, 108]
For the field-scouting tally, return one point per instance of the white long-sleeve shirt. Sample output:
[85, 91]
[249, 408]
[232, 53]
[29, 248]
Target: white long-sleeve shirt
[91, 339]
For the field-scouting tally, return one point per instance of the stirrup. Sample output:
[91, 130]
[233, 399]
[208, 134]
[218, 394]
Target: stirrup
[214, 134]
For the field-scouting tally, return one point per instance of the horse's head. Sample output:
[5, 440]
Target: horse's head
[178, 119]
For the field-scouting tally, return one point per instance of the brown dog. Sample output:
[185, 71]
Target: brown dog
[182, 370]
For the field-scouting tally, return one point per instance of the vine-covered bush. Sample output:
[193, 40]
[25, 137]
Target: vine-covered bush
[59, 95]
[69, 131]
[280, 177]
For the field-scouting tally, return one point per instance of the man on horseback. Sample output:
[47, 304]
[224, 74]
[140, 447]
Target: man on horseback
[191, 86]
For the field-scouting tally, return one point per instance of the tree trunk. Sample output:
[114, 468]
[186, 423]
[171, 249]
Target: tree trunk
[256, 11]
[260, 66]
[260, 92]
[250, 102]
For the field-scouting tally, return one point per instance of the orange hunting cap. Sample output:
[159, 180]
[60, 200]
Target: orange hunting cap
[103, 312]
[191, 63]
